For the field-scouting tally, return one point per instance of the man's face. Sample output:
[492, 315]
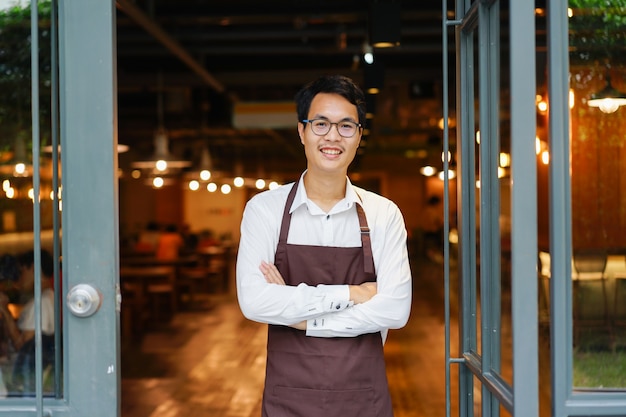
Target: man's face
[27, 278]
[331, 152]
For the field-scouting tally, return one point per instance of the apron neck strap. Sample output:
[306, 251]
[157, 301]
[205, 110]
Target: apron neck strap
[366, 243]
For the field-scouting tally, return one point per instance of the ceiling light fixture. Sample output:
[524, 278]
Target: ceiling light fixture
[162, 160]
[384, 23]
[608, 100]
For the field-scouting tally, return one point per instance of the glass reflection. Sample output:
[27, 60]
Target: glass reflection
[597, 62]
[21, 268]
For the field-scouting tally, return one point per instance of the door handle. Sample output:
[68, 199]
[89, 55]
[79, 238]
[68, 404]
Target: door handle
[83, 300]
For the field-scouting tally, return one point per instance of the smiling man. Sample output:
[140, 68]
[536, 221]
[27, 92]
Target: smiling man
[325, 264]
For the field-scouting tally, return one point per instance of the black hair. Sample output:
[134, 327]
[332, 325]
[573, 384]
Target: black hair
[332, 84]
[27, 259]
[9, 268]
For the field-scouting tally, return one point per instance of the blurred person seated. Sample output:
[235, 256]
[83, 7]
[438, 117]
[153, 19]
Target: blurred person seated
[170, 243]
[208, 239]
[148, 239]
[21, 332]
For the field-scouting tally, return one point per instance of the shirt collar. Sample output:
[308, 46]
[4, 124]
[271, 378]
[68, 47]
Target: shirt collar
[301, 197]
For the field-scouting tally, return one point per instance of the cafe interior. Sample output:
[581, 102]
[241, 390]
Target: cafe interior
[206, 120]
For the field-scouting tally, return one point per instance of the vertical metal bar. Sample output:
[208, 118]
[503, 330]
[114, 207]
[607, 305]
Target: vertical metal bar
[446, 203]
[560, 207]
[90, 248]
[524, 210]
[34, 56]
[54, 127]
[466, 189]
[489, 199]
[489, 70]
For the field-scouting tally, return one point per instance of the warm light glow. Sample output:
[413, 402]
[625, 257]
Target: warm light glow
[607, 105]
[260, 184]
[10, 192]
[428, 171]
[273, 185]
[537, 145]
[238, 182]
[505, 159]
[501, 172]
[477, 183]
[225, 189]
[194, 185]
[443, 155]
[136, 173]
[6, 184]
[31, 194]
[205, 175]
[545, 157]
[368, 57]
[451, 174]
[542, 106]
[161, 165]
[451, 123]
[157, 182]
[478, 137]
[211, 187]
[572, 98]
[20, 168]
[570, 12]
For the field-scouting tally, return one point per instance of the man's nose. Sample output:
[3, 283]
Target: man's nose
[333, 133]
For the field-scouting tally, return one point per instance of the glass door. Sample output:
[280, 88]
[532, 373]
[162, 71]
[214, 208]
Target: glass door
[59, 296]
[497, 356]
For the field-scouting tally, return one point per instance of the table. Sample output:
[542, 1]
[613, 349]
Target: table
[145, 285]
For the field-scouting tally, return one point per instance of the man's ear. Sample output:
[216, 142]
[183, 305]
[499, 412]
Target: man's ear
[301, 131]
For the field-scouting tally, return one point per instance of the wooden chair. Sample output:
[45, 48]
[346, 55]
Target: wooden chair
[619, 297]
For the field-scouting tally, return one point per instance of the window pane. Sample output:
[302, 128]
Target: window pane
[598, 70]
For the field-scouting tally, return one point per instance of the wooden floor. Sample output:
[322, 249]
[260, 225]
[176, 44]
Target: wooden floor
[210, 361]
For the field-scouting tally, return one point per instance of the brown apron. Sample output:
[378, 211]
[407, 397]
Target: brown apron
[317, 376]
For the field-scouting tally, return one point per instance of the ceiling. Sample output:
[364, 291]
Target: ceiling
[204, 59]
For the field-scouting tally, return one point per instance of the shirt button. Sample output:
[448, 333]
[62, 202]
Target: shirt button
[338, 306]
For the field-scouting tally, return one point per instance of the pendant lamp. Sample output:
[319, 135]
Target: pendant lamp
[608, 100]
[162, 160]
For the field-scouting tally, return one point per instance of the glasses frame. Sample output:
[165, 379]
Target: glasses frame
[310, 121]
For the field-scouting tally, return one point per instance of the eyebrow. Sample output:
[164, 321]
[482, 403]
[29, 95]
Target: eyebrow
[345, 119]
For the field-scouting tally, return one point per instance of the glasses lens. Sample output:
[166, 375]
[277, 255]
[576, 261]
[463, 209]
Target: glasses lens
[320, 127]
[347, 129]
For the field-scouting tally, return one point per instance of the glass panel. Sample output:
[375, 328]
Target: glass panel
[598, 71]
[17, 221]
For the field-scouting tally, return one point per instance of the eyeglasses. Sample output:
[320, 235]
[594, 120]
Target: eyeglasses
[321, 127]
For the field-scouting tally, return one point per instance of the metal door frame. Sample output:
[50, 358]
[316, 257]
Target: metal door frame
[482, 18]
[84, 117]
[520, 399]
[566, 401]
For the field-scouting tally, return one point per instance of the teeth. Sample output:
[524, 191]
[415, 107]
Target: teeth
[331, 151]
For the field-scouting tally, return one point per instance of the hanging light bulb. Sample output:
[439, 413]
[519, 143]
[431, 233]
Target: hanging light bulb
[161, 160]
[608, 100]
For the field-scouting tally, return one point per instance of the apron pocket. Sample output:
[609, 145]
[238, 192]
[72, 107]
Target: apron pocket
[307, 402]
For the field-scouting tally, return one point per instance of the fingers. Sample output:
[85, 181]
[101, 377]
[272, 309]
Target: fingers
[271, 274]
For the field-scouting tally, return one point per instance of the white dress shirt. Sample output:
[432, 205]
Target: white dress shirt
[286, 305]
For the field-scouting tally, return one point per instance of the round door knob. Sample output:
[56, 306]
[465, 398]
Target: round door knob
[83, 300]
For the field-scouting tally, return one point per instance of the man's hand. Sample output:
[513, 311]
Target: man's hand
[362, 293]
[271, 274]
